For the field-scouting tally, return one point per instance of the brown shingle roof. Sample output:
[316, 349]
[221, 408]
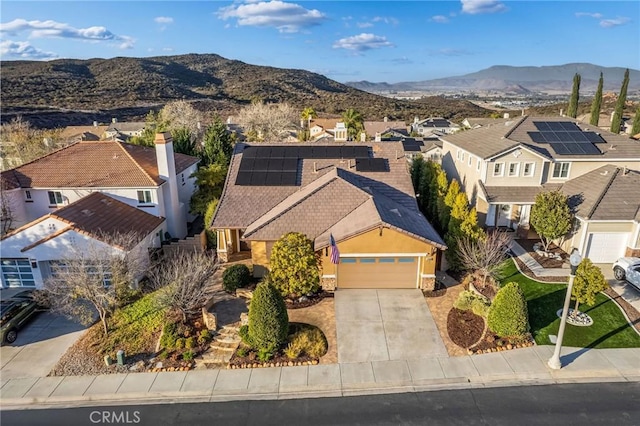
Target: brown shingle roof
[484, 142]
[373, 127]
[607, 193]
[94, 164]
[514, 194]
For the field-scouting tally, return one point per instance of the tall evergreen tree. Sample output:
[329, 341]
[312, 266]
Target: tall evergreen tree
[572, 111]
[596, 105]
[616, 123]
[636, 123]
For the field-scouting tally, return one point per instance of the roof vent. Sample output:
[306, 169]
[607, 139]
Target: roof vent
[105, 201]
[606, 172]
[612, 148]
[87, 212]
[396, 211]
[115, 156]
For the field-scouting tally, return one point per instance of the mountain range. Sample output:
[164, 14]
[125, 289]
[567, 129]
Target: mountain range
[509, 79]
[96, 89]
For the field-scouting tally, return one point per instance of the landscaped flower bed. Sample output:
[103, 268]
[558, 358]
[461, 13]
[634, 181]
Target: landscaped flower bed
[464, 327]
[308, 300]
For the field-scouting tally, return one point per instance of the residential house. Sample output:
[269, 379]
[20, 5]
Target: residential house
[477, 122]
[72, 134]
[433, 125]
[503, 167]
[327, 127]
[122, 131]
[359, 194]
[385, 129]
[430, 149]
[91, 224]
[154, 180]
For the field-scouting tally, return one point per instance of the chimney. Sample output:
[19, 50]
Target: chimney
[95, 124]
[315, 170]
[522, 112]
[173, 210]
[385, 119]
[506, 115]
[114, 120]
[561, 112]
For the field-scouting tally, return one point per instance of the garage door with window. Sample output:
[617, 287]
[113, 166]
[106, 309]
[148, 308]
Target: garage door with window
[378, 272]
[17, 273]
[606, 247]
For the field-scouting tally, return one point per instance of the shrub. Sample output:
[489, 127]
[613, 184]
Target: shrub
[188, 355]
[190, 343]
[164, 354]
[309, 340]
[204, 337]
[268, 319]
[243, 332]
[480, 306]
[508, 316]
[293, 350]
[234, 277]
[469, 300]
[265, 355]
[294, 265]
[180, 343]
[463, 302]
[169, 335]
[242, 352]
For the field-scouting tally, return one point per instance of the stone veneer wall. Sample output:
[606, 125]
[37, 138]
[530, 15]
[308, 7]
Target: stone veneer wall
[328, 284]
[428, 284]
[223, 256]
[630, 252]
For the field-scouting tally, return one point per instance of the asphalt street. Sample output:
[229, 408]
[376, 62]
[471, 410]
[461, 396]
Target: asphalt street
[575, 404]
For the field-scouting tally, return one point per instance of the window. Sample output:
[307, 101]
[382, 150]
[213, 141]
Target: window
[144, 197]
[367, 260]
[478, 164]
[386, 260]
[469, 164]
[528, 169]
[94, 270]
[55, 198]
[348, 260]
[182, 178]
[514, 169]
[498, 169]
[458, 154]
[462, 156]
[17, 273]
[561, 170]
[406, 260]
[27, 195]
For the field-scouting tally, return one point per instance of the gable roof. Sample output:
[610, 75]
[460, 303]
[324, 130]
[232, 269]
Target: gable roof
[607, 193]
[101, 217]
[126, 126]
[487, 142]
[90, 164]
[325, 199]
[373, 127]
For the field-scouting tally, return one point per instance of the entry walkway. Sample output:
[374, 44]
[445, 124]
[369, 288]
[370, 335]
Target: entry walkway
[510, 368]
[383, 325]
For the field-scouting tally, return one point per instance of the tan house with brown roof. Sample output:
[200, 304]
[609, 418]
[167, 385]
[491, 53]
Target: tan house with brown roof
[90, 224]
[502, 167]
[360, 194]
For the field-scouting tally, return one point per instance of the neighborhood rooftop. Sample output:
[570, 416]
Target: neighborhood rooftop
[93, 164]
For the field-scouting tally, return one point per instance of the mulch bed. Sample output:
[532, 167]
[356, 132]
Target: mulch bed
[306, 301]
[526, 271]
[464, 327]
[439, 290]
[545, 262]
[492, 343]
[632, 313]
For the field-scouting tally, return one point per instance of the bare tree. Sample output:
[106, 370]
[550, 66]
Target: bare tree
[268, 122]
[8, 205]
[484, 255]
[182, 278]
[95, 278]
[21, 143]
[182, 115]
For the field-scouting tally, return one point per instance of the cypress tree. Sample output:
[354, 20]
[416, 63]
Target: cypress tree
[572, 111]
[596, 106]
[616, 123]
[636, 123]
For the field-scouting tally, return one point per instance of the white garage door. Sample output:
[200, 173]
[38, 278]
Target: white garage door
[606, 247]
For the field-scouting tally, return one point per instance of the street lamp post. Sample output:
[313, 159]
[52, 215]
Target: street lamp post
[554, 361]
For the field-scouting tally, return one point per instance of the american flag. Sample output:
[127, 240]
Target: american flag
[335, 253]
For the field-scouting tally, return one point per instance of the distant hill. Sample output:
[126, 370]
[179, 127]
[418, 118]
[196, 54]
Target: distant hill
[91, 87]
[509, 79]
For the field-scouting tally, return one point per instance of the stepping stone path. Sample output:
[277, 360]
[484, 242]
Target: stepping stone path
[221, 348]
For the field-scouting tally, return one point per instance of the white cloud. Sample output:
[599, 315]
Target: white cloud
[23, 50]
[286, 17]
[167, 49]
[362, 42]
[475, 7]
[440, 19]
[604, 23]
[364, 24]
[610, 23]
[163, 20]
[53, 29]
[386, 19]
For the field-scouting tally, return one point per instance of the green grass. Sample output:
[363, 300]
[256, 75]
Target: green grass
[134, 328]
[609, 330]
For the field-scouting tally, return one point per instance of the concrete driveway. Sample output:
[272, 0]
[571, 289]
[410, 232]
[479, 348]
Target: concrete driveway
[39, 346]
[381, 325]
[623, 288]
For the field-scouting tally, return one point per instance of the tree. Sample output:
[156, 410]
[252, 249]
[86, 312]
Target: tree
[589, 281]
[210, 181]
[572, 110]
[293, 265]
[551, 216]
[267, 122]
[484, 255]
[268, 318]
[508, 314]
[307, 114]
[218, 143]
[9, 205]
[90, 279]
[153, 124]
[354, 123]
[596, 105]
[616, 123]
[183, 141]
[182, 278]
[22, 143]
[182, 115]
[635, 129]
[212, 240]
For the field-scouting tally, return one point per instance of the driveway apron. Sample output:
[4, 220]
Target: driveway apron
[381, 325]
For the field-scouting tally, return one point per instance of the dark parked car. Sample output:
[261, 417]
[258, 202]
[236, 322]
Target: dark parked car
[15, 313]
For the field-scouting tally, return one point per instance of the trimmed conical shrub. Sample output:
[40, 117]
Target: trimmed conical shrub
[508, 315]
[268, 319]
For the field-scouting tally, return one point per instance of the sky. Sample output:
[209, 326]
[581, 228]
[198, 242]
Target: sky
[377, 41]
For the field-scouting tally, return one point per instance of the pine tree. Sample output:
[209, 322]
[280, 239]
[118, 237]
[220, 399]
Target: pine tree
[268, 318]
[636, 123]
[616, 123]
[589, 281]
[596, 106]
[572, 111]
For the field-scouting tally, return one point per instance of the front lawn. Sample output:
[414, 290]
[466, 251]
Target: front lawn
[610, 328]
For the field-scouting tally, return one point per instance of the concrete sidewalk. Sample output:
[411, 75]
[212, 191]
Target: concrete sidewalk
[509, 368]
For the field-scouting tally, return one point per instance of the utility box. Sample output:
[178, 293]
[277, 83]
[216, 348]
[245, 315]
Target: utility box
[120, 356]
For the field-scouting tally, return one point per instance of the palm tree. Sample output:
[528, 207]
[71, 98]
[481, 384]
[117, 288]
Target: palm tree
[354, 122]
[307, 114]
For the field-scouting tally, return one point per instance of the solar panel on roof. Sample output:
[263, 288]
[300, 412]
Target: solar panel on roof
[551, 136]
[275, 164]
[563, 136]
[537, 137]
[258, 178]
[246, 164]
[575, 136]
[589, 148]
[277, 151]
[243, 178]
[249, 152]
[290, 152]
[569, 126]
[334, 152]
[319, 152]
[559, 148]
[594, 137]
[260, 164]
[541, 126]
[305, 152]
[290, 164]
[289, 179]
[263, 151]
[273, 178]
[371, 164]
[361, 151]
